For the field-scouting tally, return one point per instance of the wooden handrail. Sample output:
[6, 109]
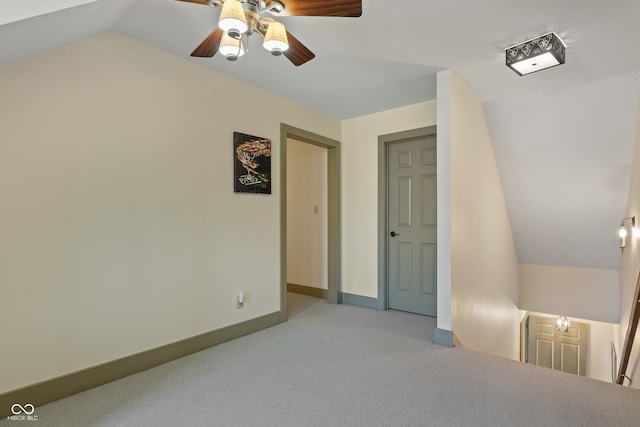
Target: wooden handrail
[634, 316]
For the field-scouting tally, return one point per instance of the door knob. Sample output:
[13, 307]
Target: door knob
[394, 234]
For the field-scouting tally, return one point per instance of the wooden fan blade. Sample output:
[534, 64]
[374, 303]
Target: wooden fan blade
[210, 45]
[297, 53]
[196, 1]
[344, 8]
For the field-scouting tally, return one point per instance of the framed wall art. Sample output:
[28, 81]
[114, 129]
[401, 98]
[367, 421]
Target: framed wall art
[252, 164]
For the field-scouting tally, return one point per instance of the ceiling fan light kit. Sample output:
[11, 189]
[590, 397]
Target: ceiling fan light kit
[239, 18]
[275, 41]
[231, 47]
[536, 54]
[244, 17]
[232, 19]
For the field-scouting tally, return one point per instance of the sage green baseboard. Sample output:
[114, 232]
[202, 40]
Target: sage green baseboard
[362, 301]
[443, 337]
[307, 290]
[66, 385]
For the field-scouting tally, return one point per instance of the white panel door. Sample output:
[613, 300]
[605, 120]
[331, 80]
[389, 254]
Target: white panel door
[571, 349]
[541, 341]
[411, 213]
[564, 351]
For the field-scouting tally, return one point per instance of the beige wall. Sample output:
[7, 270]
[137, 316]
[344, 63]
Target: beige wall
[630, 262]
[586, 293]
[306, 226]
[359, 175]
[119, 228]
[484, 263]
[445, 128]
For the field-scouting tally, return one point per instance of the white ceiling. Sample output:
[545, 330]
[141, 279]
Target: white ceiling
[562, 137]
[16, 10]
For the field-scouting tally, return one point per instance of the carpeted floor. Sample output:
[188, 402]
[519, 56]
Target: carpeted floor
[341, 365]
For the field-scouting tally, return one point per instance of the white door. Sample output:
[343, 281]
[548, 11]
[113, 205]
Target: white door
[564, 351]
[541, 341]
[411, 214]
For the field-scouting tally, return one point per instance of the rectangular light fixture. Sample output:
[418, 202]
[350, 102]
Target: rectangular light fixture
[536, 54]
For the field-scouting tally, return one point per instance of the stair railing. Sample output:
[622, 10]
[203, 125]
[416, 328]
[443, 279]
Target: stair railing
[634, 317]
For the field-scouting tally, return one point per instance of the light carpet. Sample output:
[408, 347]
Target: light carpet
[342, 365]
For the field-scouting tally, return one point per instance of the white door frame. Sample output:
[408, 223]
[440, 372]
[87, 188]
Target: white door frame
[383, 233]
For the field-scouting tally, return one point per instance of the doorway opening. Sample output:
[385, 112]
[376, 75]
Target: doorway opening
[306, 219]
[407, 226]
[310, 144]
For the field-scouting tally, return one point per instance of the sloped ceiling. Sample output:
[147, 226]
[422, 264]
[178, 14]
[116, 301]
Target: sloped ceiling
[562, 137]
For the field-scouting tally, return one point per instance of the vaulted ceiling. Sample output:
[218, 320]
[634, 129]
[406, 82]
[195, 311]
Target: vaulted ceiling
[562, 137]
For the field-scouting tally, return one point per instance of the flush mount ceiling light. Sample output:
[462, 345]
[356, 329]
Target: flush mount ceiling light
[241, 18]
[536, 54]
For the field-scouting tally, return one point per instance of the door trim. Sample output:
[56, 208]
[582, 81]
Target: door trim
[383, 233]
[333, 211]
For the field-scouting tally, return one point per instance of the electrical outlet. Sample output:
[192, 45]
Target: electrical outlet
[240, 300]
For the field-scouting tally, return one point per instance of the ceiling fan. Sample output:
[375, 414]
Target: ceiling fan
[240, 18]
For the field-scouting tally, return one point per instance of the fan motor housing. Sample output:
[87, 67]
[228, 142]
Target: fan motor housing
[252, 13]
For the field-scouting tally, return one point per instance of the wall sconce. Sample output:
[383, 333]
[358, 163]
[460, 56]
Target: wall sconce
[622, 231]
[536, 54]
[562, 324]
